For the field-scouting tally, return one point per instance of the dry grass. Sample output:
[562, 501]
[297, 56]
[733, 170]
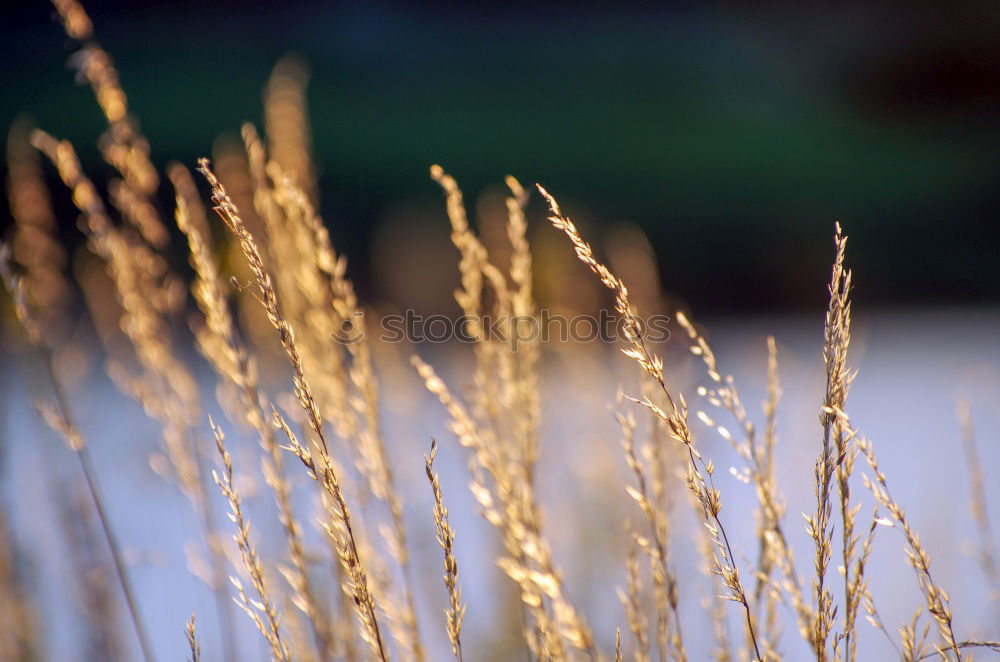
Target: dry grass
[322, 406]
[446, 538]
[192, 638]
[262, 609]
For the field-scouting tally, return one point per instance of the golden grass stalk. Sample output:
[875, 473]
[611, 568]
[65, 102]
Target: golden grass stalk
[508, 505]
[192, 639]
[913, 639]
[329, 311]
[139, 211]
[873, 617]
[699, 475]
[74, 19]
[60, 417]
[286, 119]
[165, 388]
[317, 461]
[219, 341]
[300, 646]
[656, 546]
[264, 203]
[717, 613]
[340, 529]
[446, 538]
[123, 146]
[993, 646]
[767, 519]
[342, 629]
[345, 321]
[856, 589]
[836, 341]
[472, 265]
[233, 169]
[838, 337]
[522, 308]
[916, 647]
[136, 273]
[505, 410]
[716, 607]
[261, 610]
[773, 546]
[303, 281]
[541, 638]
[937, 601]
[631, 597]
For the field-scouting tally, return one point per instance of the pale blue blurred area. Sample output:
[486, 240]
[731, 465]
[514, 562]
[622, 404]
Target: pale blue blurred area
[913, 366]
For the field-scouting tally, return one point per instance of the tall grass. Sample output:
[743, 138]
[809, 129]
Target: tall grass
[331, 429]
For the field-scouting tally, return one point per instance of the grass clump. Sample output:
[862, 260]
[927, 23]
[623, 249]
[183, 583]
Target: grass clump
[305, 387]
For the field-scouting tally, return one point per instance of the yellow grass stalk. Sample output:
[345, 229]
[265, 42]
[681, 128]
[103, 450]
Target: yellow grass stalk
[313, 276]
[937, 601]
[473, 268]
[508, 505]
[304, 288]
[261, 610]
[526, 399]
[446, 538]
[222, 346]
[656, 546]
[286, 123]
[123, 146]
[260, 185]
[873, 617]
[768, 520]
[317, 460]
[165, 388]
[773, 545]
[294, 274]
[139, 211]
[333, 300]
[530, 562]
[914, 640]
[857, 588]
[505, 400]
[717, 608]
[700, 473]
[74, 19]
[487, 459]
[192, 639]
[836, 341]
[631, 597]
[505, 394]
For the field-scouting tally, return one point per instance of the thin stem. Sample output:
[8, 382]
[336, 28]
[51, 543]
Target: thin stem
[216, 559]
[86, 467]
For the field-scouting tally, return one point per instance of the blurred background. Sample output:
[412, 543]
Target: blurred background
[732, 135]
[705, 148]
